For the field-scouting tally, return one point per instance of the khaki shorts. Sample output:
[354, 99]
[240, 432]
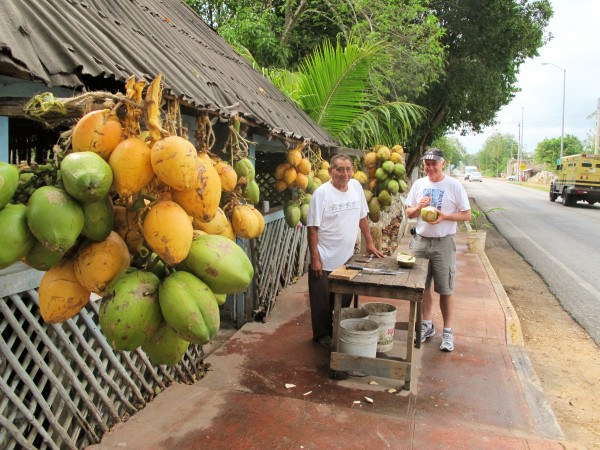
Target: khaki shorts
[441, 253]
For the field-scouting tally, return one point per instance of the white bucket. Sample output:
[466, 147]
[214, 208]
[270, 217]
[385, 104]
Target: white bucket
[354, 313]
[383, 314]
[359, 337]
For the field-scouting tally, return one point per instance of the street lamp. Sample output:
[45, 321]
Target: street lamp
[562, 133]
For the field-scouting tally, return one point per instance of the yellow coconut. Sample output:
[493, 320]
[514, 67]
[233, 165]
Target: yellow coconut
[261, 221]
[205, 156]
[227, 175]
[280, 170]
[98, 131]
[244, 221]
[98, 263]
[383, 154]
[323, 175]
[202, 201]
[361, 177]
[290, 176]
[229, 232]
[61, 295]
[217, 225]
[131, 166]
[168, 231]
[301, 181]
[304, 166]
[370, 159]
[398, 149]
[396, 157]
[280, 185]
[294, 157]
[175, 162]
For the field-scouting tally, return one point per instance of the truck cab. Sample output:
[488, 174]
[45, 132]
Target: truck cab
[577, 179]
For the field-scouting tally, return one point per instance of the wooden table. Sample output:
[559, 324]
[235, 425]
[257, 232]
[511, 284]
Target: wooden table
[407, 286]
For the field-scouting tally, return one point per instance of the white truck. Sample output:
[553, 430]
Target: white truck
[468, 170]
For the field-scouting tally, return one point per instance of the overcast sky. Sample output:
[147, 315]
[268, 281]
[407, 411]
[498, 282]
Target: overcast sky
[575, 48]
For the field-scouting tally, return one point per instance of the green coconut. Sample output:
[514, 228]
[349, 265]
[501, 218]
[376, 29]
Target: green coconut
[17, 239]
[381, 174]
[98, 219]
[374, 206]
[189, 307]
[41, 258]
[220, 263]
[86, 176]
[165, 346]
[429, 214]
[292, 214]
[244, 169]
[9, 181]
[130, 313]
[393, 187]
[304, 214]
[399, 170]
[252, 192]
[388, 166]
[54, 218]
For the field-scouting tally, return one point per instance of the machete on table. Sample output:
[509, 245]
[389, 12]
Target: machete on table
[373, 270]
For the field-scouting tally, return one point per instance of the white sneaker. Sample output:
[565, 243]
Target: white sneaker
[427, 332]
[447, 344]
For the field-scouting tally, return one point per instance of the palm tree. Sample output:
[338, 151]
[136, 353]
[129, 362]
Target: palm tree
[334, 87]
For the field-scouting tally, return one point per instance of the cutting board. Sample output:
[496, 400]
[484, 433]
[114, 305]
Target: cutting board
[341, 273]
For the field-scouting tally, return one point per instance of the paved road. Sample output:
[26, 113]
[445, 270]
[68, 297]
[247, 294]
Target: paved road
[561, 243]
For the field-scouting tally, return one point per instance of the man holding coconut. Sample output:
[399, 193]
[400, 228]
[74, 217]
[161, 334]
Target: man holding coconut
[438, 202]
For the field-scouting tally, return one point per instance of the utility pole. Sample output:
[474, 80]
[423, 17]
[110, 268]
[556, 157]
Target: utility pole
[519, 155]
[597, 143]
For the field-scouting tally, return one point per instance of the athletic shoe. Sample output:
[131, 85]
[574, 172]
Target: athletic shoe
[427, 332]
[447, 344]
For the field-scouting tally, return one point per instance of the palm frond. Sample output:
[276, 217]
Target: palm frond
[387, 124]
[287, 82]
[335, 82]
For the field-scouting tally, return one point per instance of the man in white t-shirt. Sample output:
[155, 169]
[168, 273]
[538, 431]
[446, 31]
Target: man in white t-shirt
[338, 209]
[435, 240]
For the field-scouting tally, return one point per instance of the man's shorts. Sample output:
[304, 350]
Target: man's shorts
[441, 253]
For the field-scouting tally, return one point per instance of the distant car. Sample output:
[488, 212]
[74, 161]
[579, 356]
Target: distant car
[475, 176]
[512, 178]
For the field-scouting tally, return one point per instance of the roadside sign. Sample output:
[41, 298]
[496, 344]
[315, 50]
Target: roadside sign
[523, 166]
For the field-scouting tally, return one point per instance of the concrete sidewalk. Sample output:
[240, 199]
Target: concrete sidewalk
[484, 395]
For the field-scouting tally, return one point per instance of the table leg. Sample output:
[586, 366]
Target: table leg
[337, 311]
[418, 324]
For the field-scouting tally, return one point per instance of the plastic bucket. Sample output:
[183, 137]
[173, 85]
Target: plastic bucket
[358, 337]
[384, 315]
[354, 313]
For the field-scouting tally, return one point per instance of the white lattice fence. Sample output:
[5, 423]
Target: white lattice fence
[62, 386]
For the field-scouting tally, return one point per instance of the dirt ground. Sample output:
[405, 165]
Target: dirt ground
[564, 356]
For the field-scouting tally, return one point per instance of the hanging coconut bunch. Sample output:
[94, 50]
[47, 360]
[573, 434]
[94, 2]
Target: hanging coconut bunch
[294, 172]
[244, 220]
[296, 177]
[382, 176]
[131, 211]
